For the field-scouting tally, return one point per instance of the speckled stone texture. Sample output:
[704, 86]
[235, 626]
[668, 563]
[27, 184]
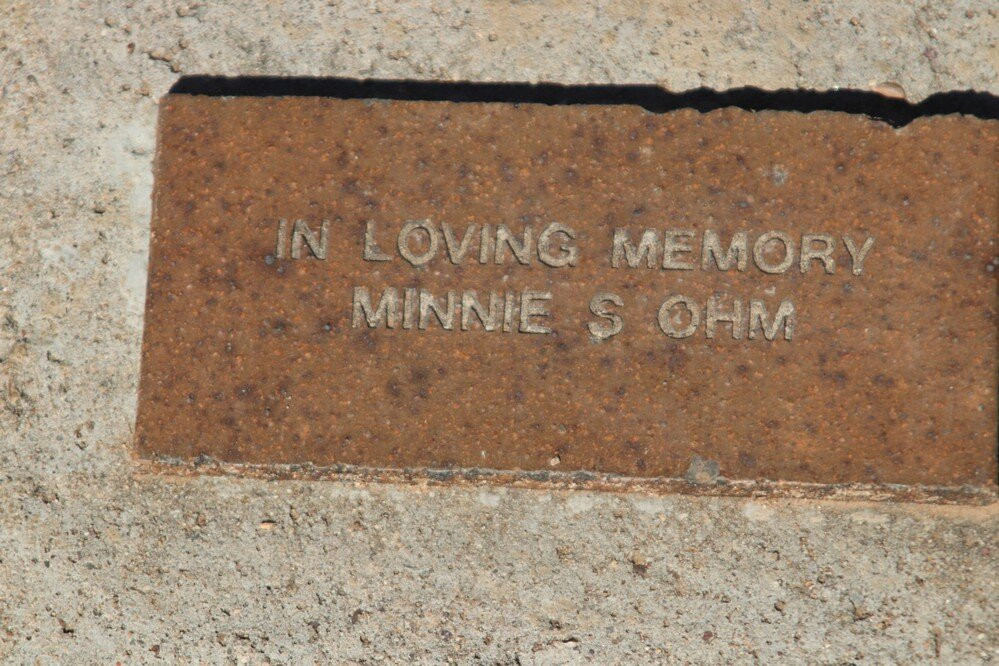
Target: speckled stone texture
[100, 564]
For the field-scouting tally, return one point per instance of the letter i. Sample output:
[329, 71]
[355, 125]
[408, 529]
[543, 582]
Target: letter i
[508, 312]
[282, 239]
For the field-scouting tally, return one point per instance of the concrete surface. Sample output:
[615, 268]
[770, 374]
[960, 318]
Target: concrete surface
[100, 563]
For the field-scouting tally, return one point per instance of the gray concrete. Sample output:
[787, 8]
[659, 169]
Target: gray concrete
[99, 562]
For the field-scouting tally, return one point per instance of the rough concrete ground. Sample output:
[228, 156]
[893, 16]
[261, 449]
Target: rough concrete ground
[98, 563]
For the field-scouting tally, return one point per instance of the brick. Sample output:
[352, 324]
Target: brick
[866, 253]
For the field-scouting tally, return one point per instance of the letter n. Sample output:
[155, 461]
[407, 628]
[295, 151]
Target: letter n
[317, 246]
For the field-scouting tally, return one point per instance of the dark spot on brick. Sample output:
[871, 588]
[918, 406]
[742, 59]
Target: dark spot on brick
[677, 359]
[839, 377]
[881, 380]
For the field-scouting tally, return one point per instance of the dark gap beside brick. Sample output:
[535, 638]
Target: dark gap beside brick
[896, 112]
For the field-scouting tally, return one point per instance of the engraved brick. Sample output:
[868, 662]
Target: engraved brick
[776, 296]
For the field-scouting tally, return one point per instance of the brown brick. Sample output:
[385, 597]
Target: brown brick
[253, 356]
